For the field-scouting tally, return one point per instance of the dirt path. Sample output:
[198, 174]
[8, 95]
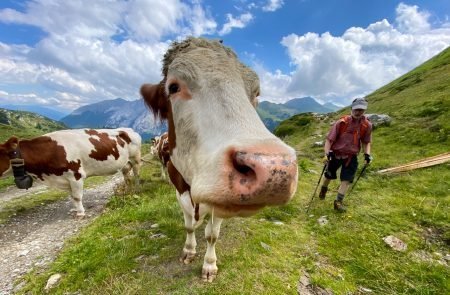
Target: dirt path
[35, 237]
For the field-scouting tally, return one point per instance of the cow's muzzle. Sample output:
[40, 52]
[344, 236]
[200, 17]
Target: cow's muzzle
[262, 175]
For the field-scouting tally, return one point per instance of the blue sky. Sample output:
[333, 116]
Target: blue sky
[65, 54]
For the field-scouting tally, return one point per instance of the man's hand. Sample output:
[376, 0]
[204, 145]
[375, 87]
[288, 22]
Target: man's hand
[328, 157]
[367, 158]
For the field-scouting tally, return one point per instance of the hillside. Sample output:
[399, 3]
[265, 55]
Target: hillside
[41, 110]
[419, 104]
[25, 124]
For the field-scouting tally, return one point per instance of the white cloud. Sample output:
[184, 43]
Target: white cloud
[358, 62]
[273, 5]
[96, 50]
[410, 20]
[241, 22]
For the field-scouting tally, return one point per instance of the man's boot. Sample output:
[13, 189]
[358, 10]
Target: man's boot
[339, 206]
[323, 192]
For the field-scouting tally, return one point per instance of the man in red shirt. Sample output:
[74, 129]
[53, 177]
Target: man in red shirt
[342, 146]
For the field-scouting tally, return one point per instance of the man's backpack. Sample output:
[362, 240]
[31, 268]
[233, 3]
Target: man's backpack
[357, 134]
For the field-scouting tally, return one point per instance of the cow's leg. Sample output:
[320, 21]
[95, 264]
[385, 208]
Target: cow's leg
[136, 168]
[126, 174]
[76, 188]
[136, 164]
[212, 230]
[190, 224]
[163, 172]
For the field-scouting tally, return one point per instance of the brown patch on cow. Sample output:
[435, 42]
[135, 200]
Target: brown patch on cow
[6, 151]
[120, 141]
[43, 155]
[124, 136]
[177, 179]
[91, 132]
[162, 148]
[197, 209]
[4, 161]
[104, 146]
[156, 99]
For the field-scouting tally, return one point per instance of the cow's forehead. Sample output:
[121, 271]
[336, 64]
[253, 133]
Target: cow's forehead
[204, 66]
[210, 56]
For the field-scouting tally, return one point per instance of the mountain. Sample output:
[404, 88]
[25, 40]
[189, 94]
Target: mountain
[116, 113]
[25, 124]
[273, 113]
[134, 114]
[331, 106]
[44, 111]
[306, 105]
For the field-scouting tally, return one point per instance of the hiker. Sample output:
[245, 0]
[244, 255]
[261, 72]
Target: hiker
[342, 146]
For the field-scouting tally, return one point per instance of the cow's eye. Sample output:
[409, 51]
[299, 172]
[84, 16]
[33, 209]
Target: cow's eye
[174, 88]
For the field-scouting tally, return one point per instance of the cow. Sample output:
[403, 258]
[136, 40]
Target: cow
[65, 158]
[160, 150]
[223, 160]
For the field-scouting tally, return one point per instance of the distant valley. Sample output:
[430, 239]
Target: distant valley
[273, 113]
[120, 112]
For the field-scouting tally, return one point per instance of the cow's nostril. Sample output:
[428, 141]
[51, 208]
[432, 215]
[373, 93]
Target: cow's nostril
[245, 170]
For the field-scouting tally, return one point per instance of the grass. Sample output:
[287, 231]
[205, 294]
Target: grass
[119, 253]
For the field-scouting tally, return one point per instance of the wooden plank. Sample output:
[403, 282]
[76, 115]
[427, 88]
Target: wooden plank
[427, 162]
[429, 158]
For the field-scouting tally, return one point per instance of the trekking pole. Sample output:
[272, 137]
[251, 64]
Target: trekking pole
[360, 174]
[321, 174]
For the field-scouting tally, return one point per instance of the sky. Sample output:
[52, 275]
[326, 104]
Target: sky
[66, 54]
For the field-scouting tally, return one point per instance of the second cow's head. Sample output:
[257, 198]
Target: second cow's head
[217, 141]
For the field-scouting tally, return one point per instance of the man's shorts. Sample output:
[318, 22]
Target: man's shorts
[348, 169]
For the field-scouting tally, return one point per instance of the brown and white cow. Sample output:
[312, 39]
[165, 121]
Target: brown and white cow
[64, 159]
[223, 160]
[160, 150]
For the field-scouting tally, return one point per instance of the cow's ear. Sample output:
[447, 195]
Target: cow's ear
[156, 99]
[255, 102]
[12, 143]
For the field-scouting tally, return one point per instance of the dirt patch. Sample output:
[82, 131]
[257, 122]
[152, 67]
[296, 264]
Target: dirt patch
[435, 235]
[33, 238]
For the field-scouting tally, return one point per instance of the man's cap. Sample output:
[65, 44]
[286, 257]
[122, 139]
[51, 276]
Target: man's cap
[359, 103]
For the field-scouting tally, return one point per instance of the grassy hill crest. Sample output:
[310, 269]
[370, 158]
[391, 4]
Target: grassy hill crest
[25, 124]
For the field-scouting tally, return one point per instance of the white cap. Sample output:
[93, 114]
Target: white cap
[359, 104]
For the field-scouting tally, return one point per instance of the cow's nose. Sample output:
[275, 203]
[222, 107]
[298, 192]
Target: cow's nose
[263, 175]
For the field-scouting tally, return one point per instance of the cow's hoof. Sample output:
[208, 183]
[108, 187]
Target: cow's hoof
[209, 273]
[187, 257]
[80, 216]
